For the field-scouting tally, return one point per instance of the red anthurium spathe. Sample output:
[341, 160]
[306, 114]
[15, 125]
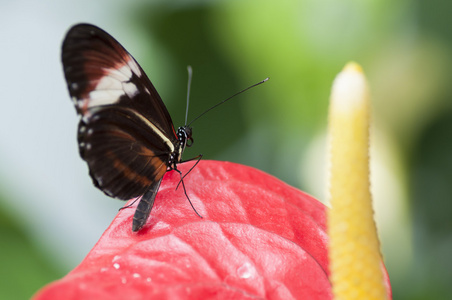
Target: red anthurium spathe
[258, 238]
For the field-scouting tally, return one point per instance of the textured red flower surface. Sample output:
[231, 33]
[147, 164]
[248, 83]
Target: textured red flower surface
[259, 238]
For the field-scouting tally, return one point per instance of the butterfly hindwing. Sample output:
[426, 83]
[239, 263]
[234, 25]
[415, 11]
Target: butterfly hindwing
[125, 133]
[123, 156]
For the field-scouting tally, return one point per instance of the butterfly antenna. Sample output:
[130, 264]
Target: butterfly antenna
[251, 86]
[190, 75]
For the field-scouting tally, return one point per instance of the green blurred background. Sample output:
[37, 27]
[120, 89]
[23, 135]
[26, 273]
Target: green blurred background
[50, 215]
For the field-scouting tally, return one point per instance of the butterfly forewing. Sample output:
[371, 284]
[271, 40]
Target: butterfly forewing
[99, 72]
[125, 134]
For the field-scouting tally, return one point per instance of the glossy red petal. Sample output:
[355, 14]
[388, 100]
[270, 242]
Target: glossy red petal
[258, 238]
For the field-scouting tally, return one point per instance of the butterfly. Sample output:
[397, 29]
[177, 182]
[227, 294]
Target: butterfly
[125, 133]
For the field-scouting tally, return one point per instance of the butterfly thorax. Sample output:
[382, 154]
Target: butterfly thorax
[184, 139]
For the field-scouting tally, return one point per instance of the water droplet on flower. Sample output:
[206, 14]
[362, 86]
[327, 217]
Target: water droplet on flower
[123, 280]
[116, 258]
[246, 271]
[116, 266]
[136, 275]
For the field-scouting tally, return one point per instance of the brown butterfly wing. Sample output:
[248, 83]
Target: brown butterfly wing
[125, 133]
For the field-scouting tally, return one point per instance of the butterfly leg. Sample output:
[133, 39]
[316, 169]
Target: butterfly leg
[128, 205]
[199, 157]
[185, 192]
[145, 206]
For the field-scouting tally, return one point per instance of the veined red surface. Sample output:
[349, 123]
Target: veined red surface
[259, 238]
